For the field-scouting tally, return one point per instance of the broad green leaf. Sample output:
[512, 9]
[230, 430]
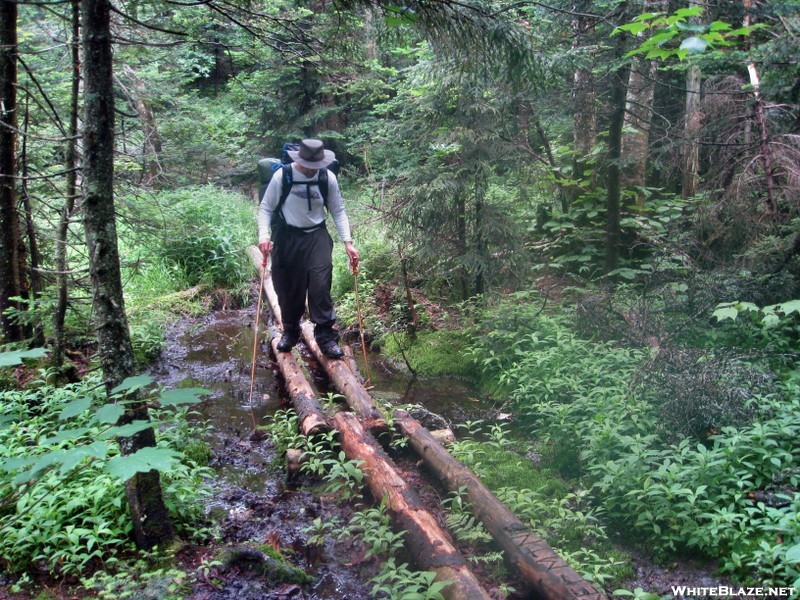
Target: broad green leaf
[183, 396]
[397, 16]
[7, 420]
[74, 456]
[75, 408]
[692, 27]
[659, 53]
[16, 462]
[793, 554]
[625, 273]
[789, 307]
[694, 45]
[146, 459]
[43, 462]
[771, 320]
[660, 39]
[719, 26]
[646, 16]
[66, 434]
[747, 307]
[126, 430]
[728, 312]
[109, 413]
[14, 357]
[632, 28]
[694, 11]
[133, 383]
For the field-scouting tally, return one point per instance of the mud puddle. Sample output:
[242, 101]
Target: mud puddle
[251, 506]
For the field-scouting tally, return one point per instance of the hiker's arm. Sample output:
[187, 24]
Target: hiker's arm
[352, 254]
[264, 214]
[336, 208]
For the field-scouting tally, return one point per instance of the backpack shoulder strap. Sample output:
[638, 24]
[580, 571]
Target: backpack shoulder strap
[322, 181]
[286, 185]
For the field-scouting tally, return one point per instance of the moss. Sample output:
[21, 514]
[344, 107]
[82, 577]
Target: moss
[503, 468]
[433, 353]
[199, 453]
[551, 508]
[264, 561]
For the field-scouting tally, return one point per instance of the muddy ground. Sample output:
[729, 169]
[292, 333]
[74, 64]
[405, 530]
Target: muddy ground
[252, 502]
[253, 507]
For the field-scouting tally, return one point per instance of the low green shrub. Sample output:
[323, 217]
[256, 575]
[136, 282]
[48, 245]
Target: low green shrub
[144, 579]
[210, 246]
[540, 498]
[62, 506]
[610, 414]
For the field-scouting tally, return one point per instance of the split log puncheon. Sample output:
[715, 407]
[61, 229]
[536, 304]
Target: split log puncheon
[425, 539]
[545, 571]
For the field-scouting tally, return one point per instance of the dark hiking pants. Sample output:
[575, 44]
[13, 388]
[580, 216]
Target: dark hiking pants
[302, 267]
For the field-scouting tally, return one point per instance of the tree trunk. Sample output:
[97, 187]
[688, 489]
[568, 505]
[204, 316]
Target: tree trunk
[10, 238]
[545, 572]
[692, 125]
[638, 115]
[463, 275]
[71, 165]
[426, 541]
[370, 34]
[584, 119]
[149, 514]
[761, 122]
[137, 98]
[613, 169]
[480, 243]
[33, 276]
[412, 310]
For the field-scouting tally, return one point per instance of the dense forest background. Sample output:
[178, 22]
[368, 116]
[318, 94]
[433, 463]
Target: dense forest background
[589, 207]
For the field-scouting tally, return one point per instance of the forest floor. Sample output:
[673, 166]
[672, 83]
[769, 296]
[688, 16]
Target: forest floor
[253, 504]
[251, 507]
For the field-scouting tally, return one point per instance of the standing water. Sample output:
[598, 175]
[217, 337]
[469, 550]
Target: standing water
[250, 502]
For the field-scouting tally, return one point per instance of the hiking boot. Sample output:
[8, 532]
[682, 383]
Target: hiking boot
[287, 342]
[332, 350]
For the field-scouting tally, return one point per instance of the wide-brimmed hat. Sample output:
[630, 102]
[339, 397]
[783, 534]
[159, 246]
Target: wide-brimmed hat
[312, 155]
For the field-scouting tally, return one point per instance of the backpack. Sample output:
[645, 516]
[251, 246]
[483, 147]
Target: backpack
[268, 166]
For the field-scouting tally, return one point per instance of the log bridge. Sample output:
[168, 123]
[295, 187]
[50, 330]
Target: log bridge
[546, 575]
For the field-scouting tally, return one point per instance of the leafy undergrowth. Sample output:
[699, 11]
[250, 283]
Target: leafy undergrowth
[369, 527]
[701, 461]
[558, 511]
[64, 510]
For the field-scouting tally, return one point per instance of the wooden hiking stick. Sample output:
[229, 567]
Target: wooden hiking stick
[361, 325]
[255, 340]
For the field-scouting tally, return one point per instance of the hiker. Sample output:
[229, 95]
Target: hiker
[294, 231]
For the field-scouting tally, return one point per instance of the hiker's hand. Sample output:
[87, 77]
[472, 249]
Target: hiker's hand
[353, 254]
[265, 248]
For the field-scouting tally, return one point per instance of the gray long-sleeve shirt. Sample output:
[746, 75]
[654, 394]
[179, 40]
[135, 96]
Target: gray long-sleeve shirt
[304, 207]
